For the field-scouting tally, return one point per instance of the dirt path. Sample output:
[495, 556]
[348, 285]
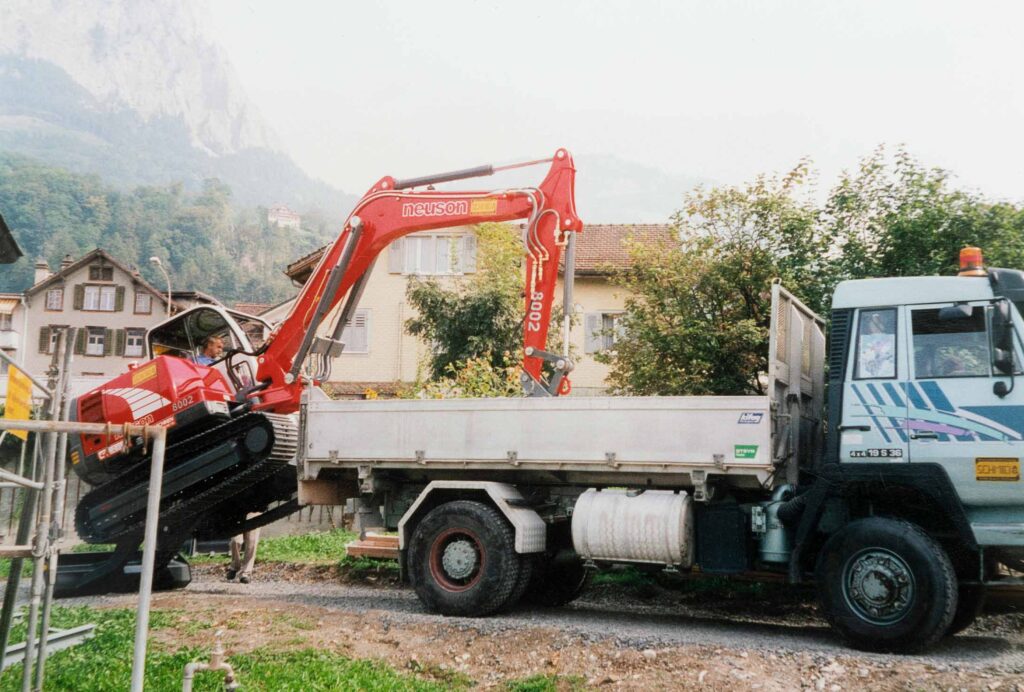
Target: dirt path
[612, 636]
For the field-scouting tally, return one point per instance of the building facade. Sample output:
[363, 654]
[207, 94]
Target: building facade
[283, 217]
[111, 306]
[380, 354]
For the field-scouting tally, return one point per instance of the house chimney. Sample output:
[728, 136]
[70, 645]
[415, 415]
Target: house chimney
[66, 262]
[42, 272]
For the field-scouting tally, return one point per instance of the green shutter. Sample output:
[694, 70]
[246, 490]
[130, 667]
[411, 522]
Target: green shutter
[119, 299]
[80, 340]
[79, 296]
[119, 350]
[108, 341]
[44, 339]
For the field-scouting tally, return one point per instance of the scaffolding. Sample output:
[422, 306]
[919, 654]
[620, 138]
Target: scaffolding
[43, 547]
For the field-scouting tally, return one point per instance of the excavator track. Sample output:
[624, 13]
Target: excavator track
[200, 473]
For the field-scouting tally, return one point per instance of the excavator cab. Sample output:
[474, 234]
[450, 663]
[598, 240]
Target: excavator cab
[184, 335]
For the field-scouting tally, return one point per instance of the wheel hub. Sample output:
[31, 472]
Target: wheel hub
[879, 586]
[459, 558]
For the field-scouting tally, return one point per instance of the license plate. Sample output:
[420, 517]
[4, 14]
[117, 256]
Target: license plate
[997, 469]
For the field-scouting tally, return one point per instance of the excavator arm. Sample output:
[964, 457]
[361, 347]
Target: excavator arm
[392, 209]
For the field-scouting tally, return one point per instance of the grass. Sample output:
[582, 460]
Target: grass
[315, 548]
[104, 662]
[547, 683]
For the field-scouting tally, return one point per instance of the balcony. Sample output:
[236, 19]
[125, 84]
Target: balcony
[9, 340]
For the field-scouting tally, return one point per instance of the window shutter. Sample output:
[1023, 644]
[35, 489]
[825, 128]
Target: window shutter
[79, 296]
[108, 341]
[119, 299]
[592, 332]
[443, 255]
[119, 348]
[395, 255]
[80, 337]
[44, 339]
[469, 253]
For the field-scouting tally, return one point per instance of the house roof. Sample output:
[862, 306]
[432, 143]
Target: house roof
[300, 269]
[9, 250]
[92, 256]
[197, 296]
[255, 309]
[600, 249]
[604, 247]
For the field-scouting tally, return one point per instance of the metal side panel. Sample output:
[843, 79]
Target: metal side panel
[721, 434]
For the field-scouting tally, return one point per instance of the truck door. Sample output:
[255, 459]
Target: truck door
[874, 406]
[955, 418]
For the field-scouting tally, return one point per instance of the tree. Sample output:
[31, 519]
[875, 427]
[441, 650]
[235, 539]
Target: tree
[698, 314]
[478, 316]
[895, 217]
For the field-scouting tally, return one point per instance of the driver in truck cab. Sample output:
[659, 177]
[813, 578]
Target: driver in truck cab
[213, 348]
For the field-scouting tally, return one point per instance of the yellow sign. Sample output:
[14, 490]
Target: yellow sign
[144, 374]
[997, 469]
[19, 399]
[484, 206]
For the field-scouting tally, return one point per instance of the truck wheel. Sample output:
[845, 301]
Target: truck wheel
[462, 559]
[557, 581]
[970, 604]
[886, 585]
[527, 563]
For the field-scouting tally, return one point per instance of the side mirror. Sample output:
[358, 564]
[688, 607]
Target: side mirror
[1002, 339]
[960, 311]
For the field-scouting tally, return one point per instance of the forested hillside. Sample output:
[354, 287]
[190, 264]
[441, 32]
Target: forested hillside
[208, 243]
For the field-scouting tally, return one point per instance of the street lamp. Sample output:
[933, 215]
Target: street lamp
[160, 265]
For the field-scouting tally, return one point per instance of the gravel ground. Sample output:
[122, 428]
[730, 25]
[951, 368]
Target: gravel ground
[614, 635]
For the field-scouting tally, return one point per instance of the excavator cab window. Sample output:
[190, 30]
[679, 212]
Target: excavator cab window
[184, 337]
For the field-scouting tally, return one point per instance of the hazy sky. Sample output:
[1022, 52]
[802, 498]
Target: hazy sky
[720, 90]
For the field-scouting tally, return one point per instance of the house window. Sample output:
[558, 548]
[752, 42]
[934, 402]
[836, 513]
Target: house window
[433, 254]
[95, 342]
[143, 303]
[54, 333]
[3, 363]
[55, 299]
[603, 330]
[356, 335]
[6, 322]
[133, 344]
[99, 298]
[98, 273]
[950, 346]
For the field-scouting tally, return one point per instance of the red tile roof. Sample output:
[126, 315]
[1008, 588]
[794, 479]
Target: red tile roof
[602, 247]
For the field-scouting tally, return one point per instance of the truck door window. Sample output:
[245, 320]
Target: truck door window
[876, 344]
[947, 344]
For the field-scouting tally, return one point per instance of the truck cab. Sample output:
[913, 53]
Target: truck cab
[916, 508]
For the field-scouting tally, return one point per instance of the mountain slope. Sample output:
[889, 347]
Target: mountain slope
[133, 90]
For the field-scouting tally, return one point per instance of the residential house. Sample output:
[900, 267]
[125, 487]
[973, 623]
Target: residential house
[379, 353]
[283, 217]
[111, 305]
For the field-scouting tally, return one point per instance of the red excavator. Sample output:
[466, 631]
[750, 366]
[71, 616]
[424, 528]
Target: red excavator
[232, 433]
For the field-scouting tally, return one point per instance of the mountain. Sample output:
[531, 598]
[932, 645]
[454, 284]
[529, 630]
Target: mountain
[613, 190]
[134, 91]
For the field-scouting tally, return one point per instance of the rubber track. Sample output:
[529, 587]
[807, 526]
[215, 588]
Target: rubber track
[283, 449]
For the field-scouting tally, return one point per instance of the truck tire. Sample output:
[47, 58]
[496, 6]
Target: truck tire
[557, 581]
[462, 559]
[526, 567]
[970, 603]
[885, 585]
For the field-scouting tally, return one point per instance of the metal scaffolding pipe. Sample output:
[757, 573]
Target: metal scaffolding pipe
[156, 474]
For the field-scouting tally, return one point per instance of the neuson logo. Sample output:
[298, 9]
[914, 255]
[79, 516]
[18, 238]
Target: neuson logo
[438, 208]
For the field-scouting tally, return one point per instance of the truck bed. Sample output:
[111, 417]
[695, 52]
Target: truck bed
[589, 439]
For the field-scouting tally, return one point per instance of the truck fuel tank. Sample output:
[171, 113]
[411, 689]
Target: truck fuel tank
[652, 526]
